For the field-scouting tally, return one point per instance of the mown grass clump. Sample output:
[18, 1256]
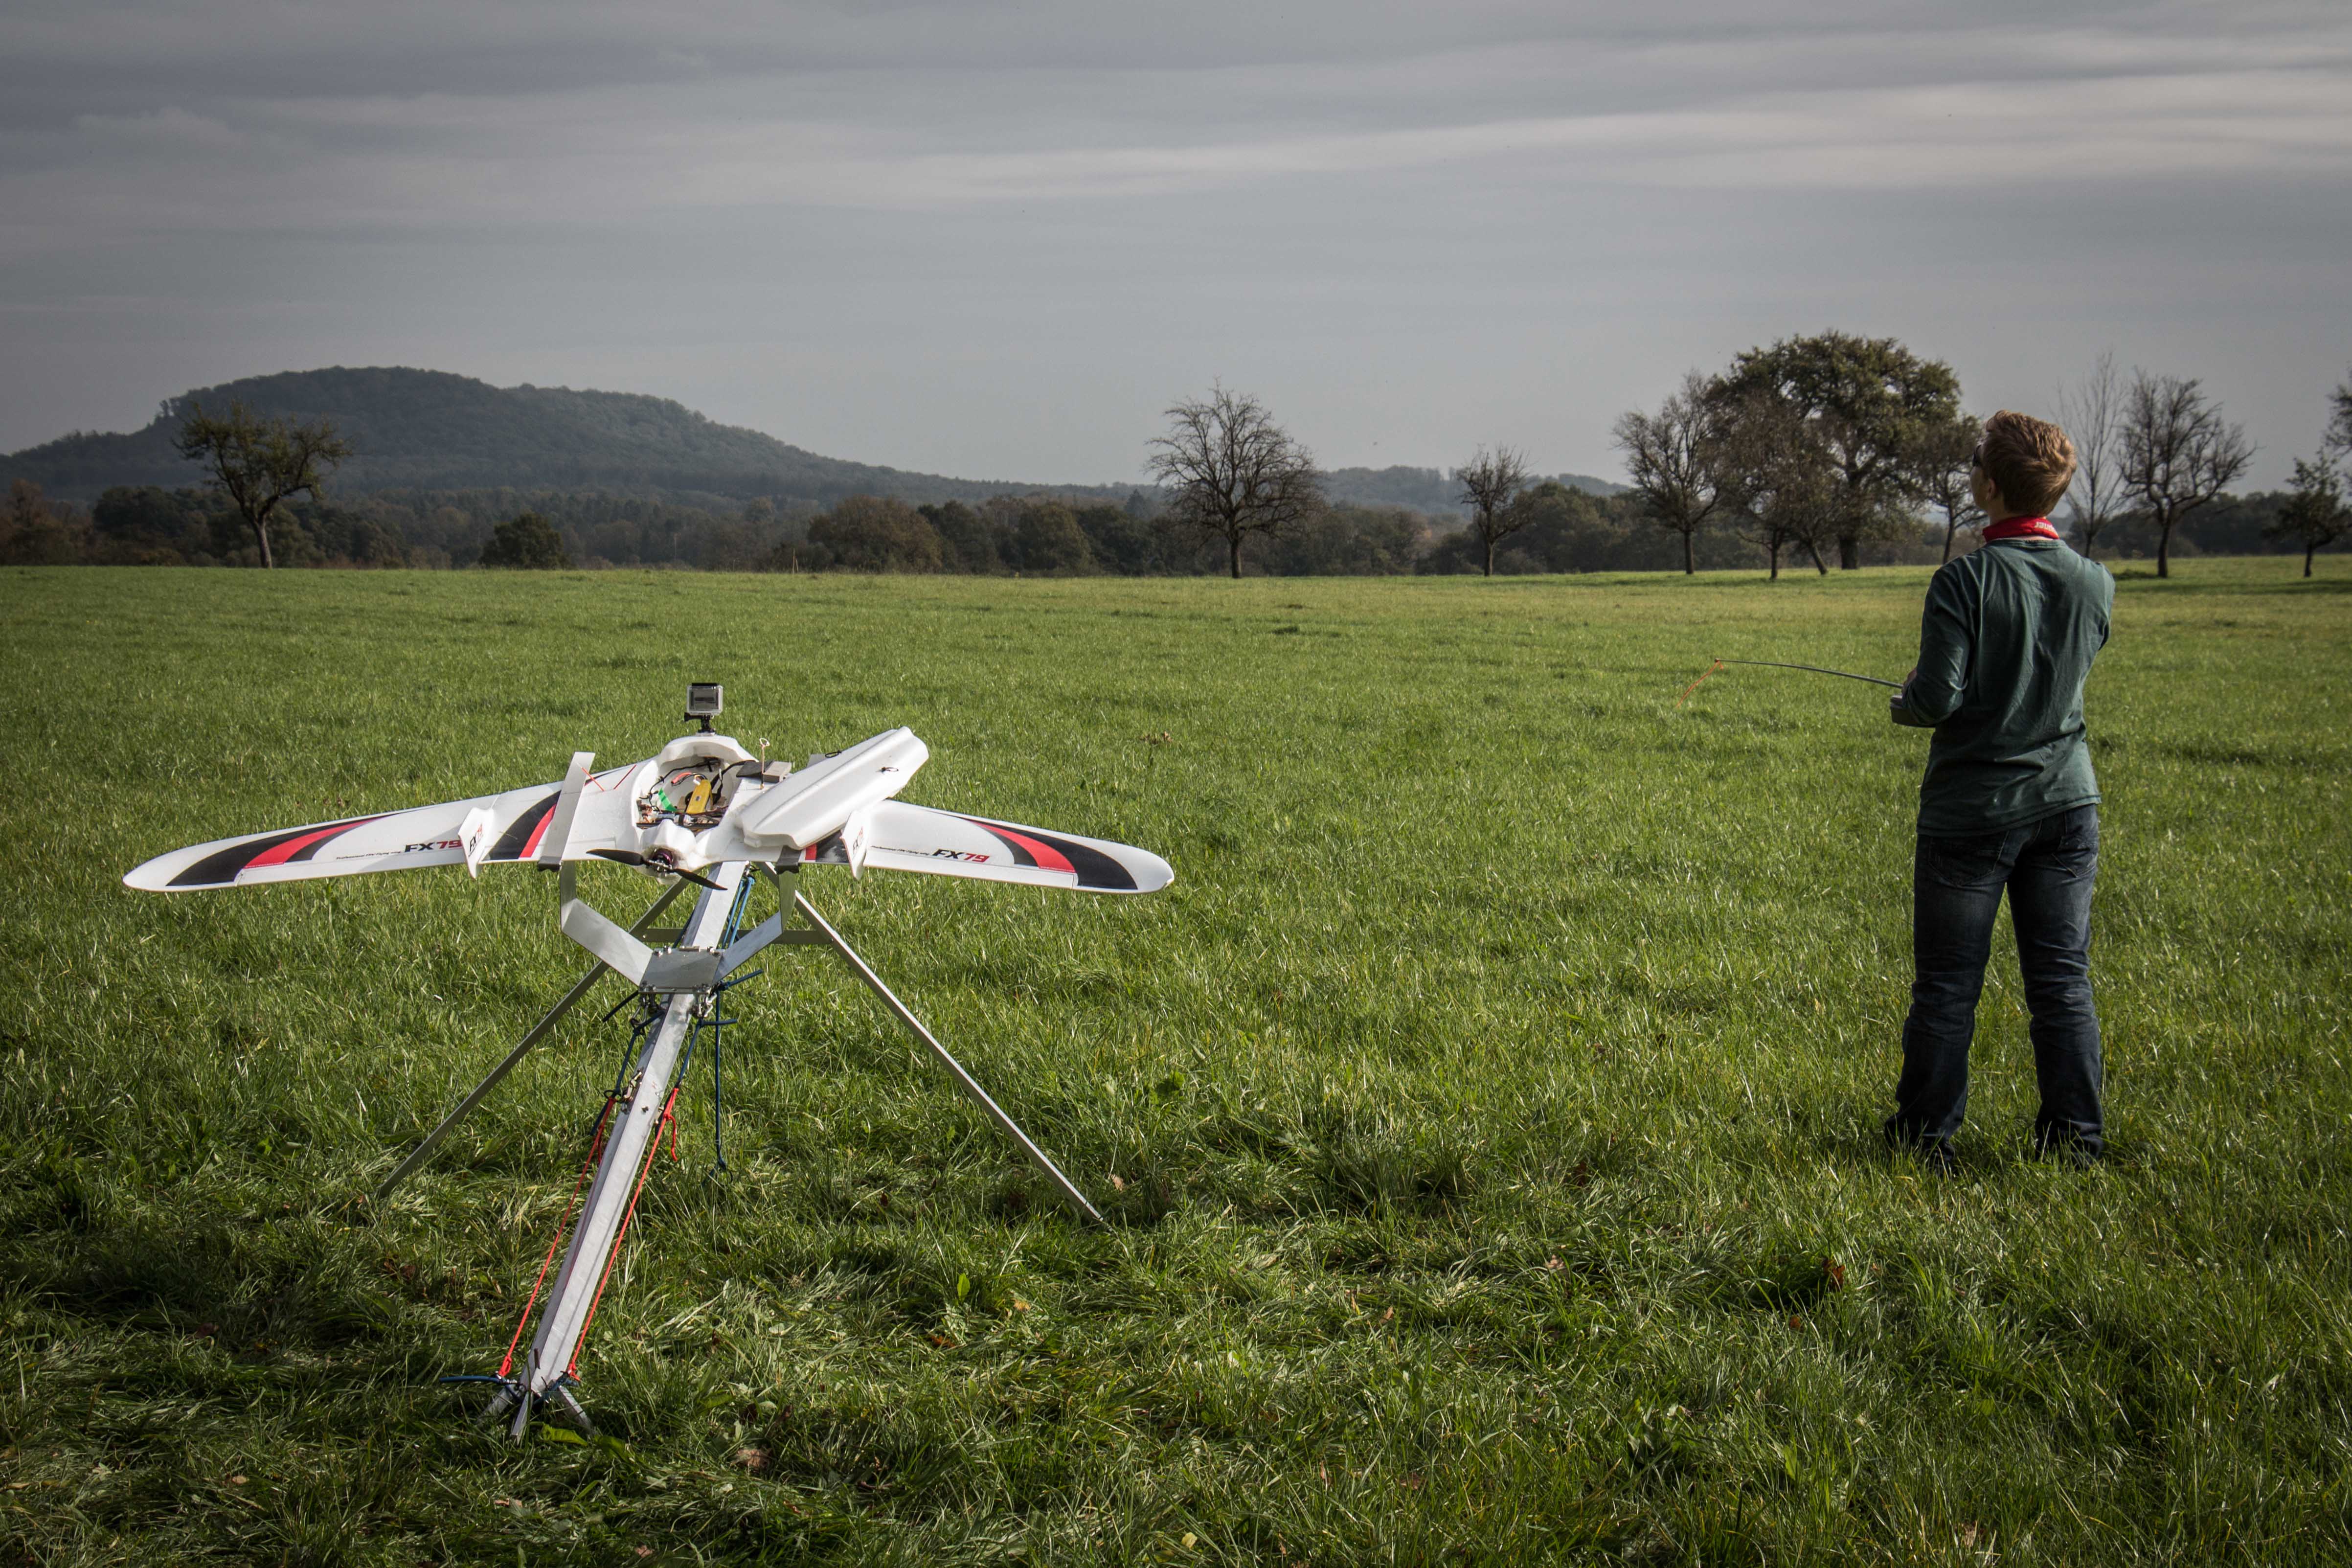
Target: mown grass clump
[1487, 1117]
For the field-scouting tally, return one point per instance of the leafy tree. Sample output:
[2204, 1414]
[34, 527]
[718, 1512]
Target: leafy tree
[1050, 543]
[879, 534]
[1948, 472]
[364, 541]
[147, 525]
[1233, 472]
[1127, 539]
[1488, 486]
[1669, 456]
[1352, 542]
[971, 545]
[527, 542]
[2177, 455]
[1782, 487]
[1566, 530]
[2093, 415]
[2314, 515]
[33, 533]
[257, 463]
[1867, 404]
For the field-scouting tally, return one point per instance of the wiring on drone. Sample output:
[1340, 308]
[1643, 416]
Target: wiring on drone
[648, 1017]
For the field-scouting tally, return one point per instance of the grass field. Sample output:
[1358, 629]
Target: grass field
[1488, 1116]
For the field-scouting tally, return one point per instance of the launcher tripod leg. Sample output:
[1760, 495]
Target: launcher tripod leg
[537, 1033]
[612, 1196]
[964, 1080]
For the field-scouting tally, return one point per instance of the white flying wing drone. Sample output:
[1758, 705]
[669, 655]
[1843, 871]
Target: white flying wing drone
[704, 810]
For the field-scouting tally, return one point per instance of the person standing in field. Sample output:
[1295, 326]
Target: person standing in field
[2009, 800]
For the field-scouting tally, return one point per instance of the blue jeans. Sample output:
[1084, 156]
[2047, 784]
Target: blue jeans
[2048, 867]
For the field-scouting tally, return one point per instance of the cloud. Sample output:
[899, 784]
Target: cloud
[446, 159]
[1394, 176]
[169, 128]
[1980, 134]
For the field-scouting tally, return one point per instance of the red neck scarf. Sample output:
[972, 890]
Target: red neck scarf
[2019, 528]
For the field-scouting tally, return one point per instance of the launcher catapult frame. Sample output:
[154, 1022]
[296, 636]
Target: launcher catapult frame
[704, 810]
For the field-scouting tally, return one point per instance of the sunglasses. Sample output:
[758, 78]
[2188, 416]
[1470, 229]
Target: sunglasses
[1976, 457]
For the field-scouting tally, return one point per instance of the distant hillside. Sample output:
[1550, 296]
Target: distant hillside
[1427, 490]
[429, 430]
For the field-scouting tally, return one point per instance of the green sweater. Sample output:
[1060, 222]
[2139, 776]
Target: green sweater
[2007, 637]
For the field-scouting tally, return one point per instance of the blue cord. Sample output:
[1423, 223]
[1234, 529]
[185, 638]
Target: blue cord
[733, 929]
[717, 1073]
[718, 1069]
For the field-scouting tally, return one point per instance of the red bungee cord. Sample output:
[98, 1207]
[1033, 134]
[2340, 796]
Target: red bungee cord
[596, 1148]
[653, 1152]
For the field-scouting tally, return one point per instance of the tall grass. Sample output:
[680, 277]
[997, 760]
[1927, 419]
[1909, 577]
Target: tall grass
[1487, 1116]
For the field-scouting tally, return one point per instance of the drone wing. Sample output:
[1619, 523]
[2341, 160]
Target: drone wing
[904, 837]
[390, 841]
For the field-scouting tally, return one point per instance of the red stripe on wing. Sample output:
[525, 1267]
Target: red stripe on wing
[1040, 853]
[293, 849]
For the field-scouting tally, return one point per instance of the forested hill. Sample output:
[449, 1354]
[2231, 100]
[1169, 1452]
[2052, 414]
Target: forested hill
[429, 430]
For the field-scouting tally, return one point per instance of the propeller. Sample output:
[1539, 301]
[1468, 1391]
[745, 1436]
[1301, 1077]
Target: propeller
[631, 858]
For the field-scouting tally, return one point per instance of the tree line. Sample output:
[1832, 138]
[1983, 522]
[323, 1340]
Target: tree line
[1829, 445]
[1820, 443]
[1560, 529]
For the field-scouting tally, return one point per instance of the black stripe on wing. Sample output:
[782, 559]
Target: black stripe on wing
[1013, 847]
[219, 868]
[310, 851]
[1096, 871]
[510, 842]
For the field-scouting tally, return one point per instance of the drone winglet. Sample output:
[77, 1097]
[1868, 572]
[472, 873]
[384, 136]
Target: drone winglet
[558, 837]
[474, 836]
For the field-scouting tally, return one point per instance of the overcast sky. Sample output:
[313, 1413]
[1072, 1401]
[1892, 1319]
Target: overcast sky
[997, 239]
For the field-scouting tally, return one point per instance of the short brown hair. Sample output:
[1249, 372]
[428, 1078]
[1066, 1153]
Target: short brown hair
[2028, 460]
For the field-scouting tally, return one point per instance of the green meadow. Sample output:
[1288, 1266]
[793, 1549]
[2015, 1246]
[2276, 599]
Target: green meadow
[1487, 1117]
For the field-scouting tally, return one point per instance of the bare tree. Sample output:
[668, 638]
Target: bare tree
[1947, 461]
[1669, 457]
[2177, 453]
[1234, 471]
[1487, 485]
[258, 462]
[2093, 415]
[2314, 515]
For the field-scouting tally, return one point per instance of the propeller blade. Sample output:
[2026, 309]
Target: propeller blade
[631, 858]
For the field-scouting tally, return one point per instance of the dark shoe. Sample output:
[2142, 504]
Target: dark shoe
[1935, 1153]
[2056, 1141]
